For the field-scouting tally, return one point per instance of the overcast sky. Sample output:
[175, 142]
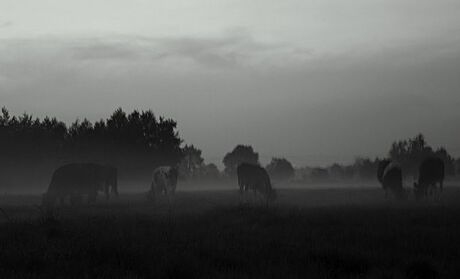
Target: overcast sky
[313, 81]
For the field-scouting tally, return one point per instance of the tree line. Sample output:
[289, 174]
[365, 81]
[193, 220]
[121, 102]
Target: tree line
[31, 148]
[409, 153]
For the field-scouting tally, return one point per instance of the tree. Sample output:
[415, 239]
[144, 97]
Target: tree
[135, 143]
[211, 172]
[337, 171]
[5, 117]
[280, 169]
[117, 125]
[366, 167]
[457, 166]
[191, 162]
[240, 154]
[410, 153]
[318, 175]
[449, 162]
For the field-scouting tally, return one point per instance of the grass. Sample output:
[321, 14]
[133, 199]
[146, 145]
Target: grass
[316, 234]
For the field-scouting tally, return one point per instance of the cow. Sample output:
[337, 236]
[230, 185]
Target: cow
[254, 177]
[164, 181]
[431, 172]
[77, 179]
[391, 179]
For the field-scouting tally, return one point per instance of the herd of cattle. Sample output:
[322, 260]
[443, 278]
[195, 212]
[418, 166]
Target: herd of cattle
[430, 179]
[73, 181]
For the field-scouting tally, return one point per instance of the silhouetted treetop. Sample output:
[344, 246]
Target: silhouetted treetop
[192, 162]
[280, 168]
[411, 152]
[240, 154]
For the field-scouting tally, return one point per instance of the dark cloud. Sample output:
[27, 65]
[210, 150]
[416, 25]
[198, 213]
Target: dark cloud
[230, 50]
[105, 51]
[5, 23]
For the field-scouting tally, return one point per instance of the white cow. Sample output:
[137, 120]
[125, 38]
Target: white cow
[164, 181]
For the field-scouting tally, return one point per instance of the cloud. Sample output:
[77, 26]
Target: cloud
[233, 49]
[5, 24]
[104, 51]
[230, 50]
[243, 89]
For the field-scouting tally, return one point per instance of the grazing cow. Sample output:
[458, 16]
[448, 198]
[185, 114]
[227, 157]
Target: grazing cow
[164, 181]
[381, 168]
[253, 177]
[75, 180]
[391, 179]
[431, 172]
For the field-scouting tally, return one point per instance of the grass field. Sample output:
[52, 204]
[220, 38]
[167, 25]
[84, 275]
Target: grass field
[333, 233]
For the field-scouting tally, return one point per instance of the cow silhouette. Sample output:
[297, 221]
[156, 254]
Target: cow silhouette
[77, 179]
[164, 181]
[255, 178]
[392, 180]
[431, 172]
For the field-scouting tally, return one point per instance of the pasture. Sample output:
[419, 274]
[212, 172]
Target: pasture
[314, 233]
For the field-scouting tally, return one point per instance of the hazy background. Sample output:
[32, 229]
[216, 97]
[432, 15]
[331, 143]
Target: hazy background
[313, 81]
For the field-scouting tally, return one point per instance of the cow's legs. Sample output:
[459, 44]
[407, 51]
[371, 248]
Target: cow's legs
[170, 197]
[439, 191]
[241, 193]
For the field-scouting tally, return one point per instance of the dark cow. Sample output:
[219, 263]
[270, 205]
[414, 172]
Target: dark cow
[253, 177]
[431, 172]
[164, 181]
[77, 179]
[392, 180]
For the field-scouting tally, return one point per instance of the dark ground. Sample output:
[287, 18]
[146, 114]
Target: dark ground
[334, 233]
